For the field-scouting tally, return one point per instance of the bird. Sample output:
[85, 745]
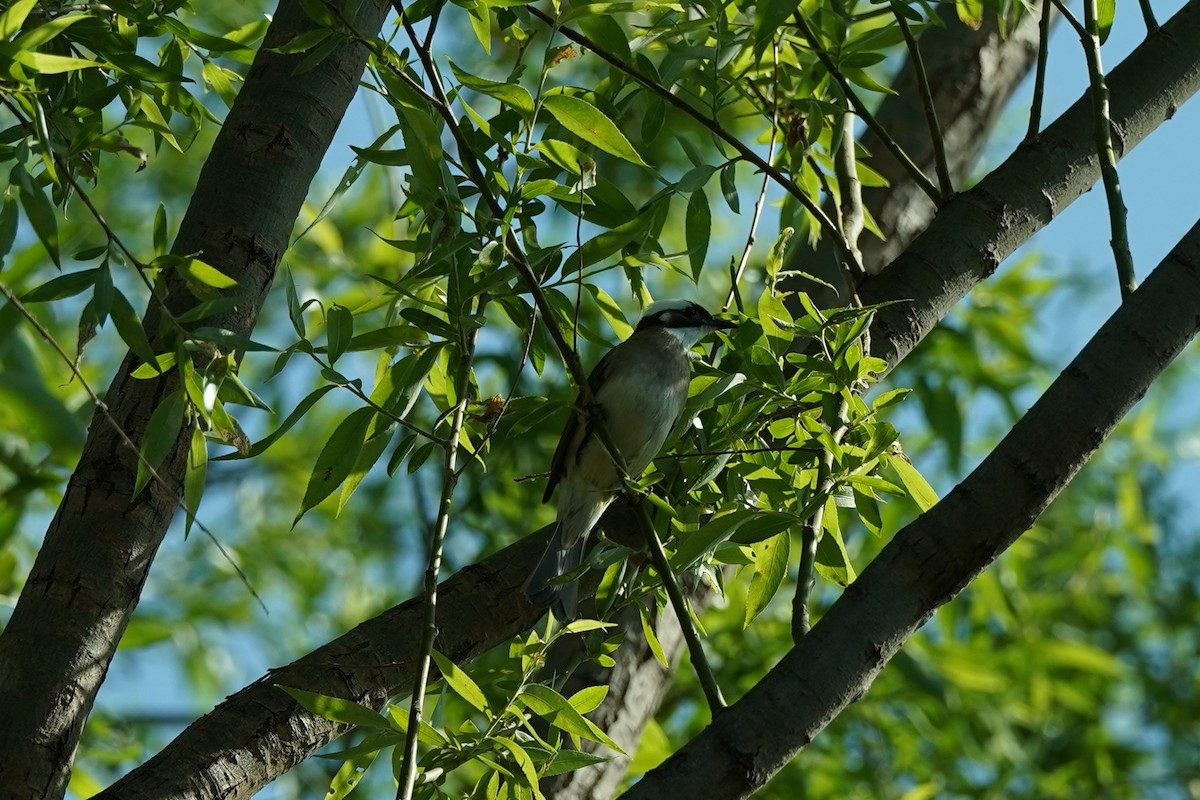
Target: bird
[639, 389]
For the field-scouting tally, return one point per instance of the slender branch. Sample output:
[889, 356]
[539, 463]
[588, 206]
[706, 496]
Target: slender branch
[1039, 80]
[810, 532]
[897, 152]
[408, 770]
[711, 124]
[851, 215]
[683, 610]
[927, 105]
[751, 236]
[1148, 17]
[1089, 37]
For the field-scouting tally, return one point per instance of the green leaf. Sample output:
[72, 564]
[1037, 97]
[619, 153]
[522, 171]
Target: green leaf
[480, 18]
[372, 449]
[206, 274]
[68, 285]
[587, 122]
[729, 187]
[770, 566]
[50, 64]
[336, 709]
[401, 386]
[461, 682]
[339, 330]
[152, 369]
[264, 443]
[193, 477]
[589, 698]
[918, 488]
[159, 437]
[337, 459]
[697, 230]
[47, 31]
[160, 230]
[14, 17]
[141, 68]
[524, 763]
[231, 340]
[511, 94]
[1106, 10]
[129, 327]
[970, 13]
[651, 637]
[554, 708]
[352, 770]
[39, 210]
[565, 761]
[8, 225]
[295, 310]
[303, 42]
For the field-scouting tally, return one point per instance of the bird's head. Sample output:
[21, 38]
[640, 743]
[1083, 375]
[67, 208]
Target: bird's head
[687, 321]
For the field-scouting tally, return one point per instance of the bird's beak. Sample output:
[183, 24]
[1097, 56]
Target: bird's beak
[723, 324]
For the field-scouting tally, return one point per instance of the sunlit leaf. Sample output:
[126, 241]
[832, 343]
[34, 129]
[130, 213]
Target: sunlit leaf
[588, 123]
[337, 459]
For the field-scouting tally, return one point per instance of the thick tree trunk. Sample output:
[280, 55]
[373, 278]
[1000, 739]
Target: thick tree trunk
[257, 735]
[89, 573]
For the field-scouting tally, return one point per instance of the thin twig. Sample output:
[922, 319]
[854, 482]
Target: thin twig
[852, 98]
[683, 610]
[931, 118]
[1089, 36]
[102, 407]
[408, 770]
[1039, 81]
[1148, 17]
[711, 124]
[751, 236]
[810, 531]
[851, 214]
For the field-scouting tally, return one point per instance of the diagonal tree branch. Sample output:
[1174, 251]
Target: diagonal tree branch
[975, 232]
[934, 558]
[256, 735]
[90, 571]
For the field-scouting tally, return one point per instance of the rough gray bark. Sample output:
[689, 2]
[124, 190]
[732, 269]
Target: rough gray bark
[935, 557]
[972, 75]
[89, 573]
[977, 230]
[235, 759]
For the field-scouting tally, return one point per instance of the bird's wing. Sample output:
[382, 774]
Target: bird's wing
[573, 439]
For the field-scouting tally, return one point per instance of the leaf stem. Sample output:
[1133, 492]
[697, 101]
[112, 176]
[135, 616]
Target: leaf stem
[683, 610]
[1089, 37]
[927, 104]
[408, 770]
[1039, 81]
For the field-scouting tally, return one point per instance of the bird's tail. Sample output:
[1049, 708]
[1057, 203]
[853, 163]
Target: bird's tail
[561, 598]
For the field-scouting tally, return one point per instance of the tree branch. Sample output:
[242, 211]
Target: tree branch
[977, 230]
[931, 560]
